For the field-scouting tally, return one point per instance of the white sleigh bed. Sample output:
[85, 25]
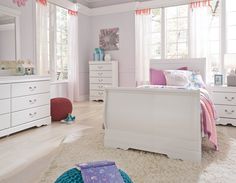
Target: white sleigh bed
[165, 121]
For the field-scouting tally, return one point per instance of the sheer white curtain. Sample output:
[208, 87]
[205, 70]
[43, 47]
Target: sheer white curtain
[42, 38]
[201, 22]
[142, 45]
[73, 56]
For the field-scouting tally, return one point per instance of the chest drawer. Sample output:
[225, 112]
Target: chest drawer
[5, 106]
[101, 74]
[100, 67]
[30, 88]
[29, 115]
[99, 86]
[97, 93]
[5, 121]
[224, 98]
[101, 80]
[226, 111]
[5, 91]
[21, 103]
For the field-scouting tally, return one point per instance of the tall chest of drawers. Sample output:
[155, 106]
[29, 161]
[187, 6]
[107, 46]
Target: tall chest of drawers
[102, 74]
[24, 103]
[224, 98]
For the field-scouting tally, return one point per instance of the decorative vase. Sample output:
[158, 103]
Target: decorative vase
[107, 57]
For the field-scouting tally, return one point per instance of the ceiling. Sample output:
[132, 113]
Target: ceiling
[101, 3]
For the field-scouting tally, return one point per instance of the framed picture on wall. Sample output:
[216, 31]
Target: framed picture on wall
[109, 39]
[218, 79]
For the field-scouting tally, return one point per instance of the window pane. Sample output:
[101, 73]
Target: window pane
[177, 32]
[156, 51]
[62, 52]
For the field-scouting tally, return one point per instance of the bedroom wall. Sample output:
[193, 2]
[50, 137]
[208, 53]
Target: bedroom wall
[82, 86]
[26, 27]
[126, 53]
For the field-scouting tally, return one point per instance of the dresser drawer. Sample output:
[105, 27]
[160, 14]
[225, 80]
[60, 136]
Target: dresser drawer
[29, 115]
[101, 80]
[101, 74]
[5, 121]
[226, 111]
[100, 67]
[5, 91]
[30, 88]
[5, 106]
[97, 93]
[21, 103]
[99, 86]
[224, 98]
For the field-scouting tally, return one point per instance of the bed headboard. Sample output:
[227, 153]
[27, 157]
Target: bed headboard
[195, 64]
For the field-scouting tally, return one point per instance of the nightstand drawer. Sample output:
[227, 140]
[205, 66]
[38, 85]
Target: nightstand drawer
[224, 98]
[226, 111]
[99, 86]
[101, 80]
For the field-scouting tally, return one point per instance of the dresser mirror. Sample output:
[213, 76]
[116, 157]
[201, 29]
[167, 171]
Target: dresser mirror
[9, 34]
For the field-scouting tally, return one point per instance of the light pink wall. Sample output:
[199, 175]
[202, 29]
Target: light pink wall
[82, 86]
[126, 54]
[26, 28]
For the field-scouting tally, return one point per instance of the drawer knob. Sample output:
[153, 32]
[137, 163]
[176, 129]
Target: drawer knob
[32, 88]
[100, 80]
[100, 73]
[229, 112]
[229, 99]
[100, 67]
[32, 114]
[33, 101]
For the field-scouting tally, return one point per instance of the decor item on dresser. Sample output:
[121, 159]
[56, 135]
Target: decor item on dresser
[218, 79]
[101, 75]
[109, 39]
[98, 54]
[26, 102]
[107, 57]
[229, 63]
[224, 98]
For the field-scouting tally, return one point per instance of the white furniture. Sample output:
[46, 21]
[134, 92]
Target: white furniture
[224, 98]
[160, 120]
[24, 103]
[102, 74]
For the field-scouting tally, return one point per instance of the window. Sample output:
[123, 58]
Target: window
[230, 26]
[156, 34]
[62, 46]
[175, 27]
[176, 32]
[53, 56]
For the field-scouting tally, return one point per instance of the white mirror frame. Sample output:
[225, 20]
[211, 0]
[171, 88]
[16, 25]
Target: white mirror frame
[15, 13]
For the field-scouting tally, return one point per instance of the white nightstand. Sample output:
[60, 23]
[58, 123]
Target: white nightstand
[224, 98]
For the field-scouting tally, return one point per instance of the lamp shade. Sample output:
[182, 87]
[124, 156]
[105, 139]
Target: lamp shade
[230, 61]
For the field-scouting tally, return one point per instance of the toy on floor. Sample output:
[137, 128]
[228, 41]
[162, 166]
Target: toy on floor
[70, 119]
[95, 172]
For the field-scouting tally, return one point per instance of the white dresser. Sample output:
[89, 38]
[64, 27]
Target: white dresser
[24, 103]
[102, 74]
[224, 98]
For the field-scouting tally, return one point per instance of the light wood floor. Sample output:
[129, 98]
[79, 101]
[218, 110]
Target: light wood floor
[25, 155]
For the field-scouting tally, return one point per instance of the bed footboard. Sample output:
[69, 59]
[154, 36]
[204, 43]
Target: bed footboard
[165, 121]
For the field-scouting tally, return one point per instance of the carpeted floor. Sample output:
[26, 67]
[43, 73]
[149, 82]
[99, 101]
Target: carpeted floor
[144, 167]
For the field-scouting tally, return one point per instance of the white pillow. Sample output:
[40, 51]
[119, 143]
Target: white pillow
[178, 77]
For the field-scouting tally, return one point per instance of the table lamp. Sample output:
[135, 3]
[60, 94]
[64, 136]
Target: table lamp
[230, 66]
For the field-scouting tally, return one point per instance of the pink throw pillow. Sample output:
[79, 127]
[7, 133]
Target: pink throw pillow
[157, 77]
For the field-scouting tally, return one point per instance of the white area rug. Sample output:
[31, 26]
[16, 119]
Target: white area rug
[144, 167]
